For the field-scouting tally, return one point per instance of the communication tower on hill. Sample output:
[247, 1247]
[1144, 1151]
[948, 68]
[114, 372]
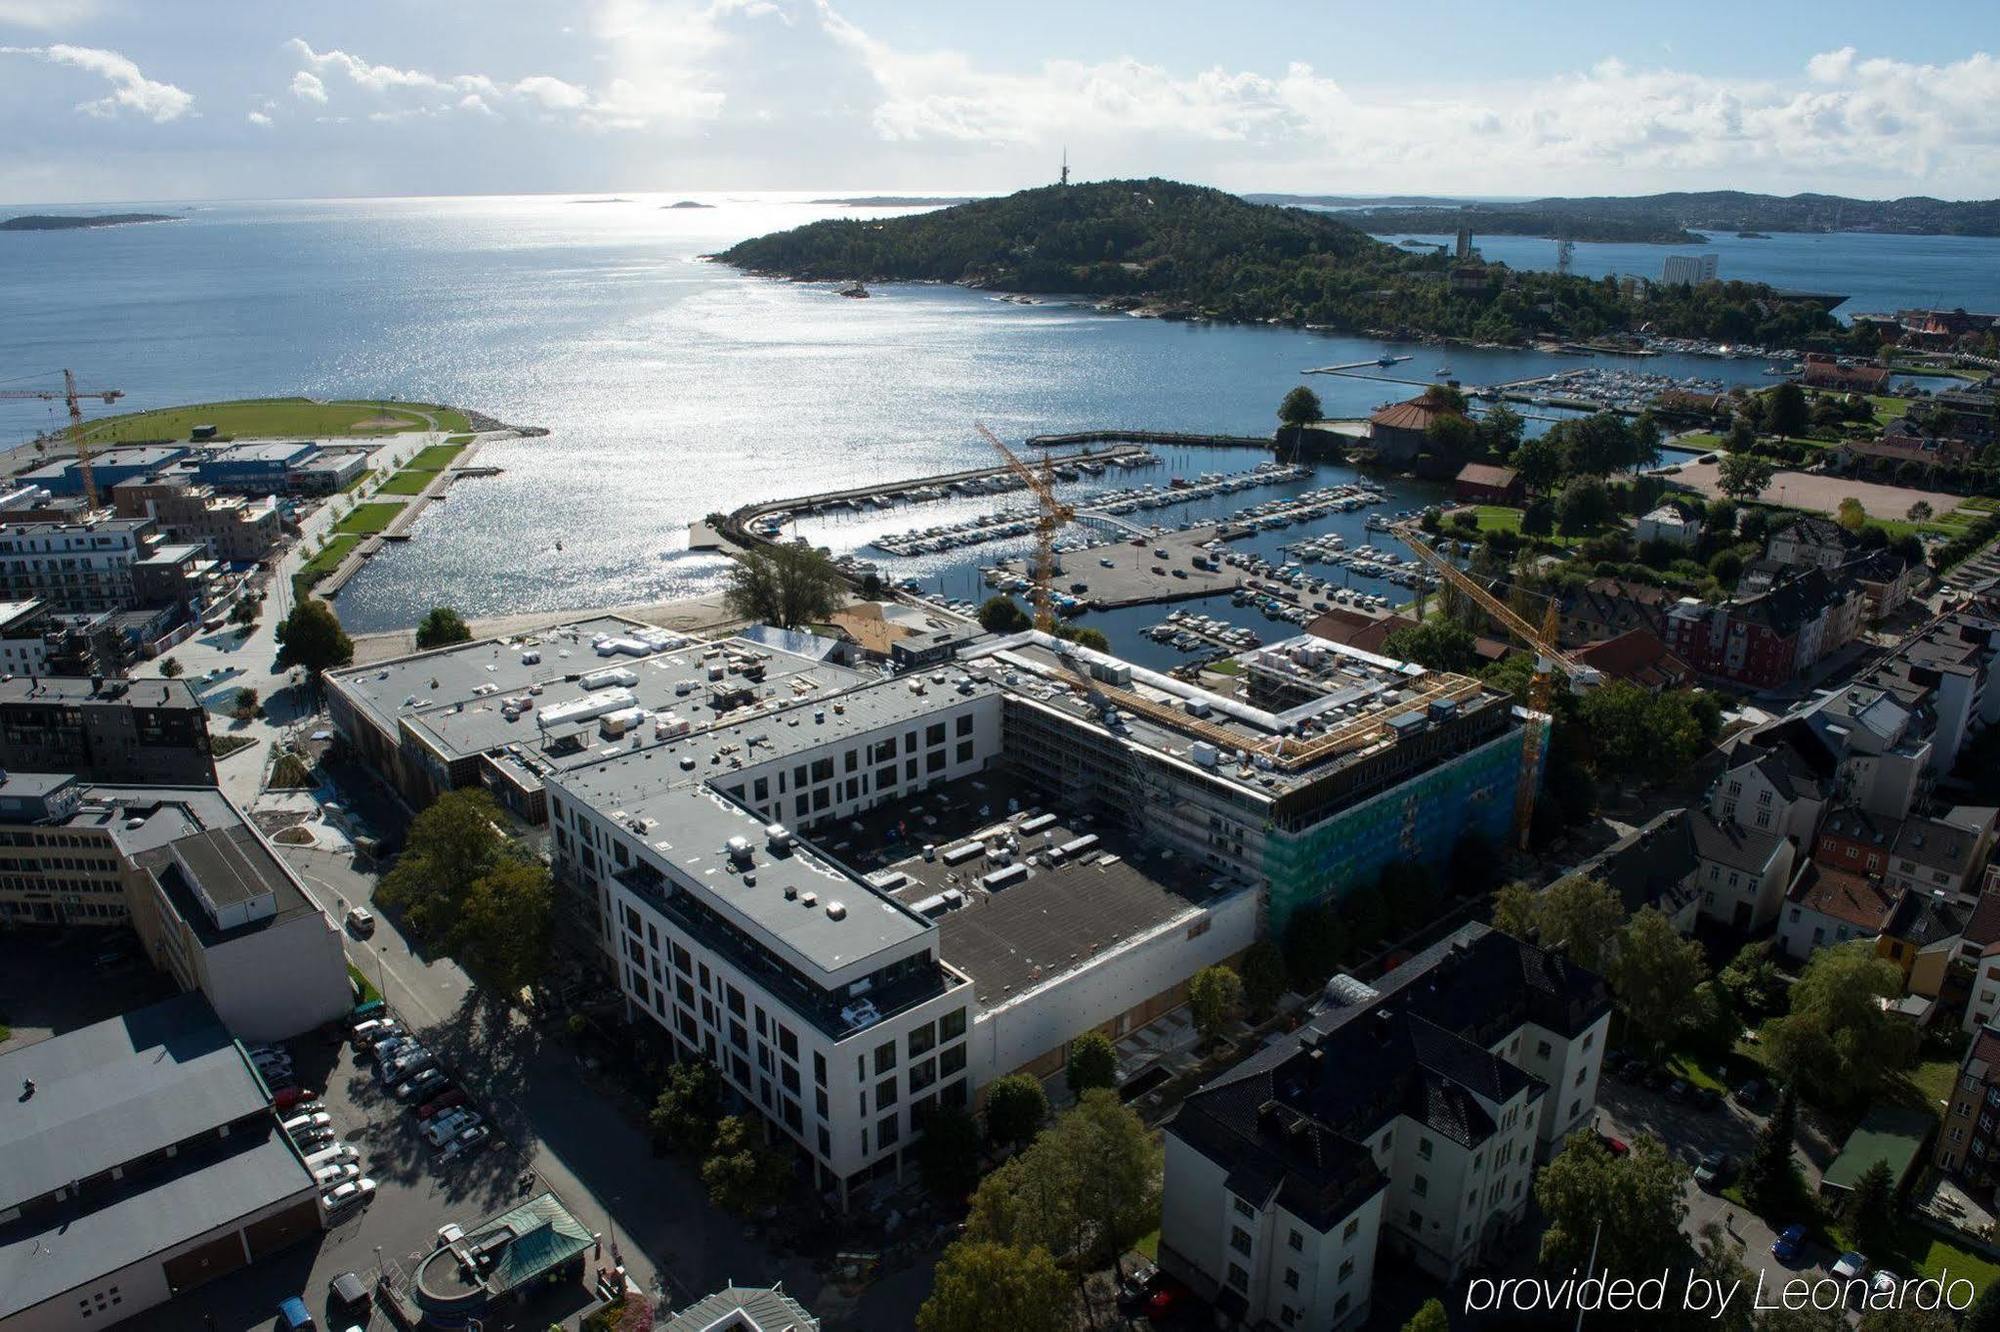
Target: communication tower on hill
[1065, 166]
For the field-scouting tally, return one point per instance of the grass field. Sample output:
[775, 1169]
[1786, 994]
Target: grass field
[258, 417]
[409, 481]
[358, 482]
[329, 558]
[367, 519]
[436, 458]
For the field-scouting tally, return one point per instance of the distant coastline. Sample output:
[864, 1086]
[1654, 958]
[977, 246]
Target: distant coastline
[81, 222]
[687, 203]
[901, 201]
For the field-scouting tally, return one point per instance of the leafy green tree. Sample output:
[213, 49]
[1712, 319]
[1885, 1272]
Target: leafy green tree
[1215, 995]
[450, 846]
[743, 1174]
[783, 584]
[1645, 437]
[1839, 1042]
[1084, 1190]
[1300, 407]
[1539, 463]
[311, 638]
[1637, 1199]
[1016, 1105]
[1753, 981]
[999, 615]
[948, 1152]
[1771, 1175]
[1093, 1062]
[1084, 635]
[1654, 974]
[1430, 1318]
[505, 922]
[981, 1285]
[1786, 411]
[247, 704]
[684, 1114]
[1437, 644]
[1577, 916]
[442, 627]
[1873, 1210]
[1921, 512]
[1583, 507]
[1539, 518]
[1315, 943]
[1639, 736]
[1851, 515]
[1450, 435]
[1743, 476]
[1500, 431]
[1264, 978]
[171, 668]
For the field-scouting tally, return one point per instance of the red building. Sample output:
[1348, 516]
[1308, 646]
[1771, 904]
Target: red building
[1484, 483]
[1765, 640]
[1829, 372]
[1855, 841]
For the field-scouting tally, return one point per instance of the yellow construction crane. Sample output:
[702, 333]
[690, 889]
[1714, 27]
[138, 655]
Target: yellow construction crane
[1054, 515]
[1550, 660]
[70, 394]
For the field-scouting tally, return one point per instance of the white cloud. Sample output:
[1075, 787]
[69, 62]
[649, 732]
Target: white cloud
[258, 118]
[131, 90]
[306, 86]
[48, 15]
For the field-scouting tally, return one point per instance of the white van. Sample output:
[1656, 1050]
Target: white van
[313, 1120]
[338, 1154]
[328, 1176]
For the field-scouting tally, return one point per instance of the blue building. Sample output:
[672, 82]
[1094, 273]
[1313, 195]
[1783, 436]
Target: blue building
[261, 468]
[107, 468]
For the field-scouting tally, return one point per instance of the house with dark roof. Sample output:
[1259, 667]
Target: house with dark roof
[1855, 842]
[1651, 866]
[1673, 521]
[1922, 937]
[1400, 435]
[1744, 871]
[1844, 376]
[1809, 541]
[1944, 854]
[1767, 639]
[1408, 1113]
[1968, 1140]
[1827, 907]
[1903, 444]
[1606, 607]
[1944, 667]
[1486, 483]
[1638, 657]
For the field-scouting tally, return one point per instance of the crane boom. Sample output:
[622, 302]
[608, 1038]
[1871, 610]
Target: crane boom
[72, 396]
[1054, 514]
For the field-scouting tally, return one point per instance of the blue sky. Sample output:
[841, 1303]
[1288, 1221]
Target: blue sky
[145, 99]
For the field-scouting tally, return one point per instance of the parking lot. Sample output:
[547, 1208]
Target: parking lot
[415, 1193]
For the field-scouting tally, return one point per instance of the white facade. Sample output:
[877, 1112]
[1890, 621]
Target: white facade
[72, 566]
[1570, 1067]
[1688, 269]
[1669, 524]
[1742, 898]
[1747, 797]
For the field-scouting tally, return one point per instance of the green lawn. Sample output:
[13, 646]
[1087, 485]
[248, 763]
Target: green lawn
[1887, 408]
[437, 457]
[409, 481]
[1982, 503]
[260, 417]
[1499, 518]
[324, 563]
[1700, 439]
[367, 519]
[1149, 1244]
[358, 482]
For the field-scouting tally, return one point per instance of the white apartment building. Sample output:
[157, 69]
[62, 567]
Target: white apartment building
[83, 566]
[1409, 1116]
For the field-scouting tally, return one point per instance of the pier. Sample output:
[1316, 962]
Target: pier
[1166, 437]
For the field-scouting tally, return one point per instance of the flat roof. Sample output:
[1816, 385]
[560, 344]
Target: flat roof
[205, 1189]
[116, 1091]
[1890, 1135]
[13, 611]
[140, 455]
[81, 689]
[260, 451]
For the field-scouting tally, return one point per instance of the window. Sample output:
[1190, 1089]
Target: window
[1420, 1186]
[1287, 1315]
[1346, 1269]
[922, 1074]
[934, 734]
[1238, 1277]
[922, 1039]
[1296, 1241]
[788, 1044]
[951, 1025]
[885, 1092]
[1581, 1074]
[885, 1056]
[1348, 1231]
[1239, 1240]
[1424, 1149]
[887, 1132]
[951, 1061]
[1541, 1049]
[819, 1068]
[964, 724]
[964, 751]
[1416, 1219]
[1291, 1278]
[1242, 1208]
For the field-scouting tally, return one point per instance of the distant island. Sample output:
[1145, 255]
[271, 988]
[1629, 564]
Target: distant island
[1182, 251]
[598, 201]
[1666, 218]
[901, 201]
[687, 203]
[80, 222]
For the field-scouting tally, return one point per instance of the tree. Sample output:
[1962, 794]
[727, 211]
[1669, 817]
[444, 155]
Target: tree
[1264, 978]
[784, 584]
[1430, 1318]
[1084, 1190]
[1215, 994]
[1921, 512]
[1315, 942]
[442, 627]
[980, 1285]
[1500, 431]
[1742, 434]
[743, 1174]
[1092, 1063]
[1016, 1105]
[1577, 916]
[1639, 736]
[999, 615]
[1838, 1043]
[1872, 1210]
[1084, 636]
[504, 924]
[311, 638]
[1786, 411]
[247, 704]
[1450, 435]
[1646, 437]
[1438, 644]
[1539, 518]
[684, 1113]
[171, 667]
[1851, 515]
[244, 611]
[1654, 974]
[1583, 507]
[1300, 407]
[948, 1152]
[1771, 1176]
[1743, 476]
[1539, 463]
[1722, 520]
[1637, 1200]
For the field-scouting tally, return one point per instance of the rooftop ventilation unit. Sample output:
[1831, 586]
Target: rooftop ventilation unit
[778, 837]
[836, 910]
[809, 899]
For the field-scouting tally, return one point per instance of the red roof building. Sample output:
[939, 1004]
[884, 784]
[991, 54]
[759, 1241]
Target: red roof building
[1484, 483]
[1829, 372]
[1639, 657]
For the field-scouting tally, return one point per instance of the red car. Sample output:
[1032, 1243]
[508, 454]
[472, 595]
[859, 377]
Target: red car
[456, 1096]
[1616, 1146]
[288, 1097]
[1167, 1296]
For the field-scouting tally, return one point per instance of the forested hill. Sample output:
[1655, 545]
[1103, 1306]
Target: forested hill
[1186, 251]
[74, 222]
[1664, 218]
[1154, 237]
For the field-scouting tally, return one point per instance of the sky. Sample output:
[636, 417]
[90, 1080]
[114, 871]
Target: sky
[157, 100]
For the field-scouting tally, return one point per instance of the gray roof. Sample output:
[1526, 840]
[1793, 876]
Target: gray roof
[1951, 844]
[43, 1256]
[744, 1307]
[82, 690]
[1731, 844]
[113, 1092]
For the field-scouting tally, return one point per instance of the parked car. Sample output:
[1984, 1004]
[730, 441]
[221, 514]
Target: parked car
[402, 1070]
[442, 1102]
[293, 1316]
[1790, 1244]
[440, 1130]
[1616, 1146]
[422, 1085]
[470, 1140]
[348, 1293]
[289, 1097]
[1167, 1296]
[386, 1048]
[360, 922]
[366, 1034]
[311, 1139]
[312, 1119]
[338, 1173]
[1849, 1266]
[350, 1194]
[1714, 1170]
